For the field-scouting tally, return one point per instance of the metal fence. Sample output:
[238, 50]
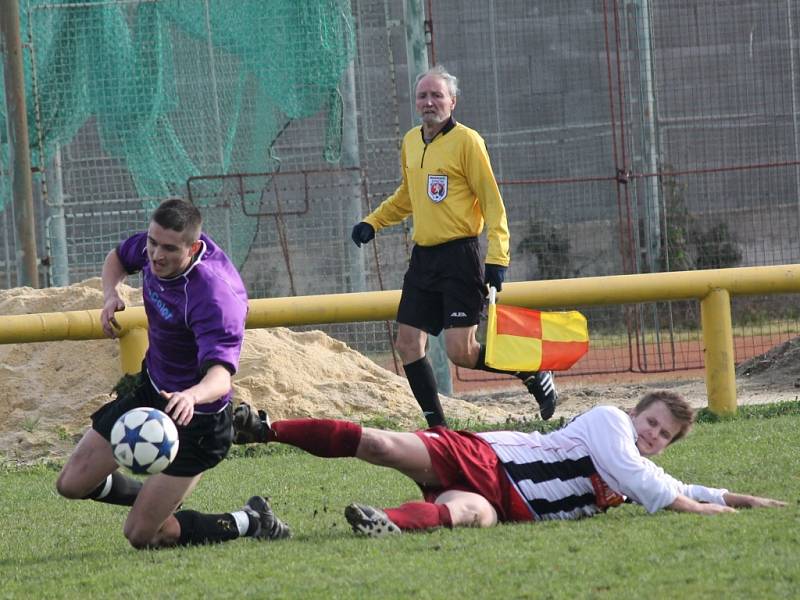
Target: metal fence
[626, 136]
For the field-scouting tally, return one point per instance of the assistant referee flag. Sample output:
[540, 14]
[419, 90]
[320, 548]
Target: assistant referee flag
[523, 339]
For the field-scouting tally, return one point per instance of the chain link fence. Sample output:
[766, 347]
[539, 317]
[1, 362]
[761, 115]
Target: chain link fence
[627, 137]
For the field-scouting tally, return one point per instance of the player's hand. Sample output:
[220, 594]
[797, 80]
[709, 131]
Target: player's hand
[362, 233]
[757, 502]
[107, 319]
[180, 406]
[495, 275]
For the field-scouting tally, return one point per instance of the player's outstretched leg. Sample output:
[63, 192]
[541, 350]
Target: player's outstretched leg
[270, 526]
[369, 521]
[328, 438]
[415, 516]
[250, 426]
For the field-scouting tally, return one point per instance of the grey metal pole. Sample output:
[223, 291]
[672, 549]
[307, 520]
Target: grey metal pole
[653, 234]
[19, 147]
[416, 49]
[353, 211]
[229, 234]
[793, 79]
[57, 230]
[417, 56]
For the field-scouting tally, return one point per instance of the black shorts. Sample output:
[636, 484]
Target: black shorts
[203, 443]
[443, 287]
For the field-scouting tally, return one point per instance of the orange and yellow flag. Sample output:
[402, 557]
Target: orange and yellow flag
[523, 339]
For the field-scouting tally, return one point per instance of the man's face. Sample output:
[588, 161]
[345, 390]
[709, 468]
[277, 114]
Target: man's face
[433, 100]
[656, 427]
[169, 253]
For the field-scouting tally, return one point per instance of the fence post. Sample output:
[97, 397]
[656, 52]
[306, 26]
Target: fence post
[18, 143]
[132, 347]
[715, 318]
[353, 210]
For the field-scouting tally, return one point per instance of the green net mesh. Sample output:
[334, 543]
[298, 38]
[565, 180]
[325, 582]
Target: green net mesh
[181, 88]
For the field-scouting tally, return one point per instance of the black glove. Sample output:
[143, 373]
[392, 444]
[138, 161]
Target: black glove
[495, 274]
[362, 233]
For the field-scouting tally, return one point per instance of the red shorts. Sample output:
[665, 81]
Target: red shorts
[464, 461]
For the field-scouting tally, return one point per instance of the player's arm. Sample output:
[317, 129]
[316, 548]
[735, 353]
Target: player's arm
[392, 210]
[397, 206]
[721, 497]
[685, 504]
[215, 384]
[113, 274]
[705, 500]
[483, 184]
[747, 501]
[217, 319]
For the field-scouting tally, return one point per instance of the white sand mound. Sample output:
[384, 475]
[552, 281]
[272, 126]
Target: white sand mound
[51, 388]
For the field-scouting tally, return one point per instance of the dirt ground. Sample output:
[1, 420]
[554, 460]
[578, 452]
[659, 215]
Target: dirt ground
[51, 388]
[771, 377]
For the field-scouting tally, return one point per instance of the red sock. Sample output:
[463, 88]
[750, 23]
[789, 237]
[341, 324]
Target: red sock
[420, 515]
[327, 438]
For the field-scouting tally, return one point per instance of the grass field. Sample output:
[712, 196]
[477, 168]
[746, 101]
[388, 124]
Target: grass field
[54, 548]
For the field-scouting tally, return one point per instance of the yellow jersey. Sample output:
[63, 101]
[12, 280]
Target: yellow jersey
[449, 188]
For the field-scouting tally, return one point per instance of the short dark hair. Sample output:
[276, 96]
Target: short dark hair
[677, 405]
[181, 216]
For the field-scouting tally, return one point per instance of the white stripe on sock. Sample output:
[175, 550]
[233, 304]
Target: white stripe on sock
[106, 489]
[242, 521]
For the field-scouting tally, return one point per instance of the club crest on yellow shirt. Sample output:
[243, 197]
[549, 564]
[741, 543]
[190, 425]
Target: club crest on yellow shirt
[437, 187]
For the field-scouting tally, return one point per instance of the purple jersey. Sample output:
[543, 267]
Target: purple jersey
[195, 320]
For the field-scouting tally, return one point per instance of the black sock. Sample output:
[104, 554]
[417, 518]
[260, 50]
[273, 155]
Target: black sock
[117, 488]
[202, 528]
[423, 385]
[482, 366]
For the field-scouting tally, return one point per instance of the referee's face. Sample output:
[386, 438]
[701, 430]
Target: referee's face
[433, 100]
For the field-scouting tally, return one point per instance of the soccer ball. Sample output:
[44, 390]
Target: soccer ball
[144, 440]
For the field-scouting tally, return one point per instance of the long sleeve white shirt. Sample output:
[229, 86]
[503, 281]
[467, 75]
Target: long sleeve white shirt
[587, 466]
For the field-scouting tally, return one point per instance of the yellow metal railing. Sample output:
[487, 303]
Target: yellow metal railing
[713, 288]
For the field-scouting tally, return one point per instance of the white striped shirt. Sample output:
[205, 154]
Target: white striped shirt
[587, 466]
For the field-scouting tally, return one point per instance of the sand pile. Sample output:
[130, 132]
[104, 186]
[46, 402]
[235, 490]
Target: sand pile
[51, 388]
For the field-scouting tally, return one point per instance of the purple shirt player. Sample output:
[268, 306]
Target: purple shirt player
[195, 319]
[196, 305]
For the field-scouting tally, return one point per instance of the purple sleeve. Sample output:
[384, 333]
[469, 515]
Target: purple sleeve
[132, 253]
[217, 320]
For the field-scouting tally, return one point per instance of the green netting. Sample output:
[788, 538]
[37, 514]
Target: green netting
[180, 88]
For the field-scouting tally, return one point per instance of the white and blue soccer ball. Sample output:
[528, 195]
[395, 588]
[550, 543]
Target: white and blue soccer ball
[144, 440]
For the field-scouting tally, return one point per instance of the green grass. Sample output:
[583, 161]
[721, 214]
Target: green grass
[54, 548]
